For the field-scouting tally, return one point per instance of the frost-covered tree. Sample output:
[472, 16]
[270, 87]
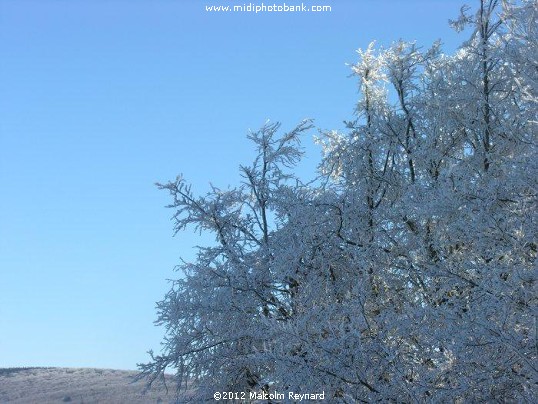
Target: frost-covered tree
[406, 271]
[218, 315]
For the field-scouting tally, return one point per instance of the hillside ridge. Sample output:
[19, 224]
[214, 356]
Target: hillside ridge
[44, 385]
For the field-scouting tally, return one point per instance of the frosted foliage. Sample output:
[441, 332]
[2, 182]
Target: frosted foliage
[406, 272]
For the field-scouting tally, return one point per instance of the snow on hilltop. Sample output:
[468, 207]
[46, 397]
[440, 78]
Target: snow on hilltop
[78, 385]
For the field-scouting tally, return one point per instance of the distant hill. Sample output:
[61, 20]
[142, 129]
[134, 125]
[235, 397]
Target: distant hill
[78, 385]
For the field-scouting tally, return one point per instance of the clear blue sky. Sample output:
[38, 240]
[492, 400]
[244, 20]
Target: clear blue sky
[100, 99]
